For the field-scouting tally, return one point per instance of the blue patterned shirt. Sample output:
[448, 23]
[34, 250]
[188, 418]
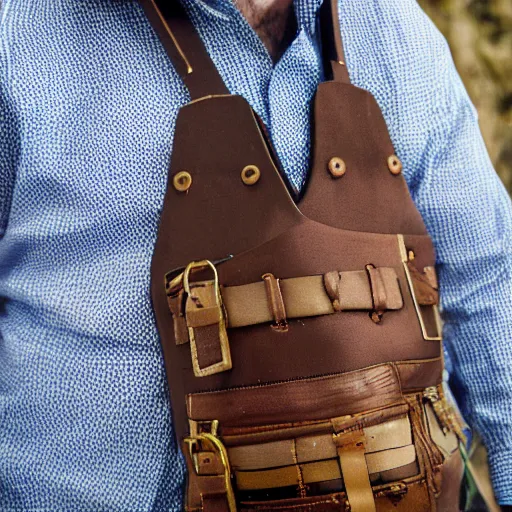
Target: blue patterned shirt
[88, 102]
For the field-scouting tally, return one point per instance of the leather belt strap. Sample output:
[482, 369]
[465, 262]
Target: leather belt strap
[203, 310]
[385, 436]
[209, 486]
[206, 488]
[351, 452]
[322, 471]
[184, 47]
[206, 323]
[307, 296]
[275, 300]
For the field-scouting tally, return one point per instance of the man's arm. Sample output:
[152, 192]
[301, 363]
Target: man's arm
[9, 137]
[468, 213]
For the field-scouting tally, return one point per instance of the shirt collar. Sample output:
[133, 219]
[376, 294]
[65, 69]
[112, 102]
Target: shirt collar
[305, 10]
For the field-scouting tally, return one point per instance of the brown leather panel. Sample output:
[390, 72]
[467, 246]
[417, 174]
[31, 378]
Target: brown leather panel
[208, 346]
[299, 400]
[318, 345]
[215, 503]
[415, 375]
[244, 436]
[368, 197]
[221, 124]
[451, 476]
[312, 346]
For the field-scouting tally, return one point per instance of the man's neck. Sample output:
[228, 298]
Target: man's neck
[273, 21]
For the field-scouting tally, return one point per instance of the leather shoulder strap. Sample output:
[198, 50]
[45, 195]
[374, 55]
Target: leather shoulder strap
[332, 47]
[184, 47]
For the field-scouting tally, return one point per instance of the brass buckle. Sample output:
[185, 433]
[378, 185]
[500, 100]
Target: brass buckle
[437, 316]
[173, 280]
[212, 440]
[225, 363]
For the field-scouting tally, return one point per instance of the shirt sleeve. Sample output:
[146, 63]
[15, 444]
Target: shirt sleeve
[9, 143]
[469, 216]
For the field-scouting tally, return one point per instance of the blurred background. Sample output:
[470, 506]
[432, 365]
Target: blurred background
[479, 33]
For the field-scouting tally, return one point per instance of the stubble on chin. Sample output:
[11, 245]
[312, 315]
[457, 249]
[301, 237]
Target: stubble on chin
[272, 20]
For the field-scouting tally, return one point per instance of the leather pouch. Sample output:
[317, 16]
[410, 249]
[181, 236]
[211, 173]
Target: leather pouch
[414, 484]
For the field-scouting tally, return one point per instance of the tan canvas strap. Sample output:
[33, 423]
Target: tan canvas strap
[362, 452]
[274, 300]
[355, 470]
[320, 471]
[393, 434]
[419, 374]
[307, 296]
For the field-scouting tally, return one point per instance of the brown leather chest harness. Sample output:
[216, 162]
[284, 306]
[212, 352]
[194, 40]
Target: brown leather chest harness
[301, 335]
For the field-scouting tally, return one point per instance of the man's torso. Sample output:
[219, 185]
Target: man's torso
[92, 100]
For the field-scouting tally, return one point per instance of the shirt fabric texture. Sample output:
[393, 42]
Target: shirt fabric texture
[88, 103]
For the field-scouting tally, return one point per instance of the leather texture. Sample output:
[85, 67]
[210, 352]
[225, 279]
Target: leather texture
[276, 300]
[392, 434]
[306, 399]
[343, 372]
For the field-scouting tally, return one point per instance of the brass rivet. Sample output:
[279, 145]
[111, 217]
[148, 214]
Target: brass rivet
[250, 174]
[337, 167]
[182, 181]
[394, 164]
